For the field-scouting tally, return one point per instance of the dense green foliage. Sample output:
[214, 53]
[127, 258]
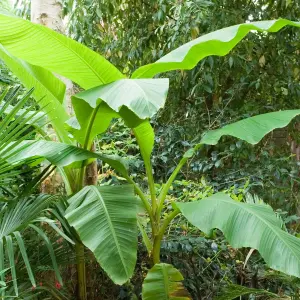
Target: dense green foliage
[259, 76]
[256, 77]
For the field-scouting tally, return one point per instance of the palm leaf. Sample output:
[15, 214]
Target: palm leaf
[247, 225]
[164, 282]
[23, 250]
[2, 263]
[219, 43]
[36, 118]
[50, 249]
[105, 219]
[15, 217]
[15, 126]
[10, 251]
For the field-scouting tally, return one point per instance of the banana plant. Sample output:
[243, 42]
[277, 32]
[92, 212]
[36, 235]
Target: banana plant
[105, 217]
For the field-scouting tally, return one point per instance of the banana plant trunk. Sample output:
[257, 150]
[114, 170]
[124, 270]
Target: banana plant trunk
[90, 178]
[81, 271]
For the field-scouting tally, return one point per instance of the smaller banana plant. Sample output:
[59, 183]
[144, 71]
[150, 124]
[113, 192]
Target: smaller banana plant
[105, 217]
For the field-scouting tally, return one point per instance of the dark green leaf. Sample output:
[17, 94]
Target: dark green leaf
[105, 219]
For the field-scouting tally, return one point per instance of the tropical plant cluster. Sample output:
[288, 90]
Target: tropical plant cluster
[189, 121]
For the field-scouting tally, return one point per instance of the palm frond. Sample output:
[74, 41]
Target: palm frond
[15, 217]
[17, 123]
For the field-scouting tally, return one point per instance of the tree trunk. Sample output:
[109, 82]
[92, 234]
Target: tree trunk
[47, 13]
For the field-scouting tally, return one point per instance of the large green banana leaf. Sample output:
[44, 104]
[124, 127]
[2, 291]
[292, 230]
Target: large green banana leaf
[142, 96]
[59, 154]
[105, 219]
[219, 43]
[96, 107]
[41, 46]
[48, 90]
[252, 129]
[28, 72]
[247, 225]
[164, 282]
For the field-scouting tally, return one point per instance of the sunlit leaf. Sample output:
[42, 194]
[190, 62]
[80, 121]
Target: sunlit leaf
[48, 89]
[61, 55]
[219, 43]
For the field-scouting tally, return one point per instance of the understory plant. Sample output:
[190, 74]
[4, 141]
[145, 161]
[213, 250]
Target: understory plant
[21, 211]
[106, 219]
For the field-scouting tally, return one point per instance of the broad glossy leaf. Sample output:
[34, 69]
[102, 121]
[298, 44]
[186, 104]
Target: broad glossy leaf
[60, 155]
[133, 100]
[41, 46]
[247, 225]
[48, 89]
[105, 219]
[142, 96]
[164, 282]
[219, 43]
[233, 291]
[252, 129]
